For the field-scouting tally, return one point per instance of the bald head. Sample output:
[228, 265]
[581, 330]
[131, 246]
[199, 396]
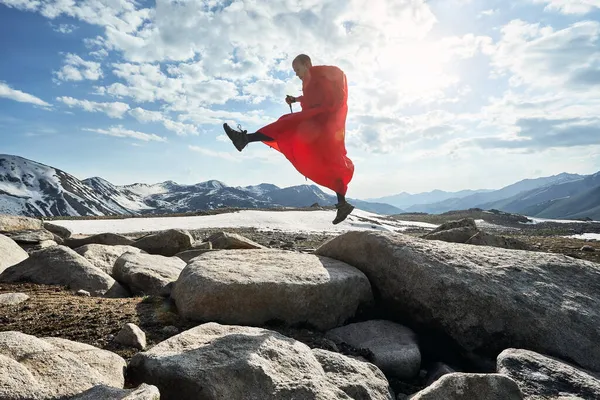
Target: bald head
[301, 65]
[303, 59]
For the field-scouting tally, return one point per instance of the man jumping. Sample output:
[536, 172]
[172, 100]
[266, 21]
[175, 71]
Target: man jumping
[313, 140]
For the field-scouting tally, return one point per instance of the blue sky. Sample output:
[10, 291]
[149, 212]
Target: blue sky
[444, 94]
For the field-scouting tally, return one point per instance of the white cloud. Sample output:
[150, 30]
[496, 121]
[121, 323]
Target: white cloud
[488, 13]
[77, 69]
[64, 28]
[156, 116]
[113, 110]
[570, 6]
[17, 95]
[119, 131]
[542, 57]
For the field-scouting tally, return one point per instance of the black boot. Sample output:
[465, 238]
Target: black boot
[343, 210]
[238, 138]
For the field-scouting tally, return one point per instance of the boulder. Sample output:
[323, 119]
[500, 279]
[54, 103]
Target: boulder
[52, 368]
[202, 246]
[463, 386]
[104, 256]
[242, 287]
[188, 255]
[109, 239]
[11, 299]
[588, 248]
[232, 241]
[359, 380]
[103, 392]
[60, 265]
[10, 253]
[487, 239]
[11, 223]
[166, 243]
[544, 377]
[60, 231]
[237, 362]
[485, 298]
[454, 235]
[147, 274]
[33, 247]
[131, 335]
[394, 347]
[30, 236]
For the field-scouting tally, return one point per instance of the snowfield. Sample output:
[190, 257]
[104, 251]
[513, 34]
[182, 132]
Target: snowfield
[585, 236]
[287, 221]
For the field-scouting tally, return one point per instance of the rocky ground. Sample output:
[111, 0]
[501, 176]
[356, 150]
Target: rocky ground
[58, 311]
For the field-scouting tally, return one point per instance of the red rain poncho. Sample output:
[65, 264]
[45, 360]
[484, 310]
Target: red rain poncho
[313, 139]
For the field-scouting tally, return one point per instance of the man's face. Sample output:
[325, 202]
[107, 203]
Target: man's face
[300, 69]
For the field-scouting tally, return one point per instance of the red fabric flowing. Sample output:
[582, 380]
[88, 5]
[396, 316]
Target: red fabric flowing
[313, 139]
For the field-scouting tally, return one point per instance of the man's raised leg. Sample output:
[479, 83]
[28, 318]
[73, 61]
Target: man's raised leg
[240, 138]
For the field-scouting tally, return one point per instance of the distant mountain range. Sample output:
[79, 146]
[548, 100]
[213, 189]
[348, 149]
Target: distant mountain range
[34, 189]
[567, 196]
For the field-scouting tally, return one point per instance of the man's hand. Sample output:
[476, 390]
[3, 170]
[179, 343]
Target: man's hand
[290, 99]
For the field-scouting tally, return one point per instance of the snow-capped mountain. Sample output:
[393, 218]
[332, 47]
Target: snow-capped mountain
[30, 188]
[33, 189]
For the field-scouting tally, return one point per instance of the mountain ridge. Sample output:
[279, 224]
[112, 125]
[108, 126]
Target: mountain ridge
[34, 189]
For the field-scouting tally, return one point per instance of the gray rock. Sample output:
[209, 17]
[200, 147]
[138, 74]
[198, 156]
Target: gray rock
[131, 335]
[487, 239]
[233, 362]
[103, 392]
[83, 293]
[147, 274]
[589, 248]
[30, 236]
[253, 287]
[394, 347]
[542, 377]
[170, 330]
[10, 253]
[104, 256]
[232, 241]
[109, 239]
[58, 239]
[359, 380]
[436, 371]
[60, 231]
[462, 386]
[166, 243]
[33, 247]
[11, 299]
[188, 255]
[202, 246]
[51, 368]
[486, 298]
[11, 223]
[454, 235]
[459, 223]
[458, 231]
[60, 265]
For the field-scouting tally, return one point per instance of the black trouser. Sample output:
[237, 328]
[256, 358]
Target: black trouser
[261, 137]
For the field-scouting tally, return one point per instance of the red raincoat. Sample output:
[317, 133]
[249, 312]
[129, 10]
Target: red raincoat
[313, 139]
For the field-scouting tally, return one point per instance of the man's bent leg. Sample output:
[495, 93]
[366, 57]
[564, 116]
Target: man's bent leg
[343, 209]
[259, 137]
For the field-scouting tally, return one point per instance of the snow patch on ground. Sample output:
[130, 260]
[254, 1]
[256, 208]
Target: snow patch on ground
[535, 220]
[585, 236]
[288, 221]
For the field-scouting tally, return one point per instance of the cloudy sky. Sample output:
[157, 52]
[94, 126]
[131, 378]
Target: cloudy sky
[444, 94]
